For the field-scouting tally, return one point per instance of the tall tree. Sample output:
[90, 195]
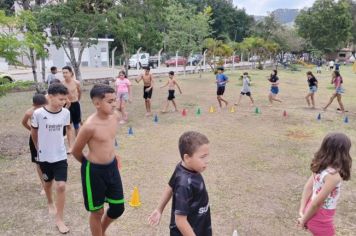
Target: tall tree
[326, 25]
[9, 44]
[186, 29]
[75, 24]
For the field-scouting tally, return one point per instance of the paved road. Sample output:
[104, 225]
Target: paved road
[98, 73]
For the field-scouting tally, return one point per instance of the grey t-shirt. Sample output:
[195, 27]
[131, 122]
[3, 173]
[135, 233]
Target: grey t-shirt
[245, 85]
[50, 77]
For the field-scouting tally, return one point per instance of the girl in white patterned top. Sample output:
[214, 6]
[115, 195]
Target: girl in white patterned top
[330, 165]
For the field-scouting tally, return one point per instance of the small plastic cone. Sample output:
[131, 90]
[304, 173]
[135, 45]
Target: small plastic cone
[284, 113]
[232, 110]
[211, 110]
[130, 131]
[257, 111]
[184, 112]
[346, 120]
[319, 117]
[235, 233]
[135, 198]
[156, 119]
[198, 112]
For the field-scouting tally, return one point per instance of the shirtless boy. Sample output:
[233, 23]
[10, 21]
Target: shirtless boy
[147, 89]
[74, 96]
[171, 83]
[101, 179]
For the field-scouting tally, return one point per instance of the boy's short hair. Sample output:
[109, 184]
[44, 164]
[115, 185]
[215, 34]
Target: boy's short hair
[190, 141]
[53, 68]
[57, 88]
[171, 73]
[99, 91]
[67, 68]
[54, 81]
[39, 99]
[221, 68]
[147, 68]
[245, 73]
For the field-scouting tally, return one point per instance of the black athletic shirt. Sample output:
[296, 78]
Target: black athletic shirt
[274, 79]
[190, 199]
[312, 82]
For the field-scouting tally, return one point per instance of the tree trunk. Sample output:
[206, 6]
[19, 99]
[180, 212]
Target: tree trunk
[43, 67]
[126, 56]
[34, 67]
[73, 61]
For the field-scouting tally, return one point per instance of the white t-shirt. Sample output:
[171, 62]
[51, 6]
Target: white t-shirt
[50, 126]
[331, 63]
[245, 85]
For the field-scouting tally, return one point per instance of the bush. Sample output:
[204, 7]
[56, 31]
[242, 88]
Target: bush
[17, 85]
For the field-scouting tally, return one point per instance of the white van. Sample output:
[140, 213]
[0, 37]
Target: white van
[143, 60]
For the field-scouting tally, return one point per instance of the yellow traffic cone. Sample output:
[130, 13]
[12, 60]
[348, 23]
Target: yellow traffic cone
[135, 198]
[232, 110]
[211, 110]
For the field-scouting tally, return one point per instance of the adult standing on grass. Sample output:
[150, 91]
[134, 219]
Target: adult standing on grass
[313, 87]
[147, 88]
[337, 81]
[221, 80]
[74, 95]
[274, 80]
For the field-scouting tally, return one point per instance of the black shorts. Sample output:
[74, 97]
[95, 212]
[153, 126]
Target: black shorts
[221, 91]
[56, 170]
[101, 183]
[171, 95]
[331, 67]
[75, 113]
[33, 150]
[147, 95]
[247, 94]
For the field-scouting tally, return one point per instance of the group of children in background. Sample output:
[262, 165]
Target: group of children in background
[101, 181]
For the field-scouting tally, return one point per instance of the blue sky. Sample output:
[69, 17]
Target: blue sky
[261, 7]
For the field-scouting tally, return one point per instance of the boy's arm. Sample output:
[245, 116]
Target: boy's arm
[25, 119]
[79, 90]
[183, 225]
[70, 137]
[155, 216]
[34, 136]
[165, 85]
[82, 139]
[178, 86]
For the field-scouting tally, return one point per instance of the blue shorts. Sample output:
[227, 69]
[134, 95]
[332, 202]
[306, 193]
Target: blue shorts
[313, 89]
[122, 96]
[274, 90]
[339, 90]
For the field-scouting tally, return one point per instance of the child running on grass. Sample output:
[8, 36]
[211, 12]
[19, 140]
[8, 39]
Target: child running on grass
[330, 166]
[101, 179]
[123, 94]
[313, 87]
[190, 213]
[337, 81]
[47, 126]
[221, 81]
[246, 90]
[274, 80]
[38, 101]
[171, 83]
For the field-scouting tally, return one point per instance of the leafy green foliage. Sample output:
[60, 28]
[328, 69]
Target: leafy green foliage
[17, 85]
[326, 25]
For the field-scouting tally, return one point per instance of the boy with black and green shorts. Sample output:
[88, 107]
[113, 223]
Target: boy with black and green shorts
[100, 175]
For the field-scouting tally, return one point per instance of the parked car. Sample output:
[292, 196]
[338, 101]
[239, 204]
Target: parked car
[233, 59]
[182, 61]
[140, 60]
[194, 59]
[5, 78]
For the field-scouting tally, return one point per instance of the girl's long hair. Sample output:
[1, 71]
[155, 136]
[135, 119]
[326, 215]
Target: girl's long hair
[334, 152]
[311, 74]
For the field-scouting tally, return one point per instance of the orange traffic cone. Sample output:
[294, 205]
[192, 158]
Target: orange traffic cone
[232, 110]
[212, 109]
[135, 198]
